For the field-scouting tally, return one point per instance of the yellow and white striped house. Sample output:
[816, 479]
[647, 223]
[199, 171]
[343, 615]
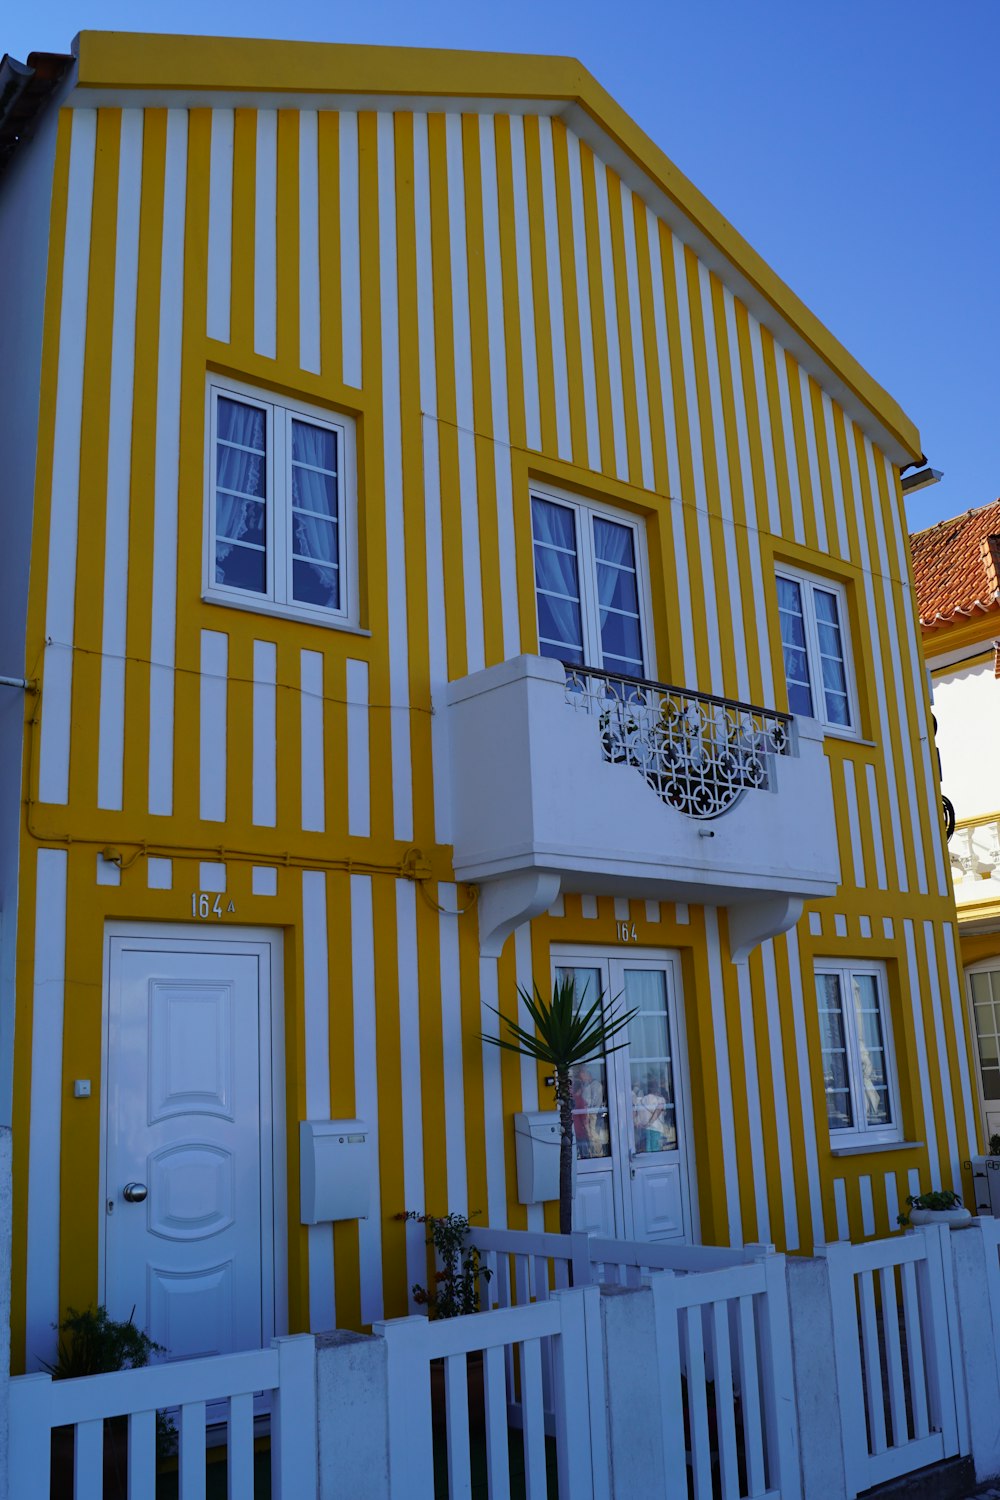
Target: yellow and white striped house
[384, 430]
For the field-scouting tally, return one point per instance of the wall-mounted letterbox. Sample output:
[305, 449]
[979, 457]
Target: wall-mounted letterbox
[335, 1167]
[536, 1142]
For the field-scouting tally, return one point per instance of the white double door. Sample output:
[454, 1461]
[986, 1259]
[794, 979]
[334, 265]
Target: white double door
[984, 1000]
[188, 1205]
[629, 1112]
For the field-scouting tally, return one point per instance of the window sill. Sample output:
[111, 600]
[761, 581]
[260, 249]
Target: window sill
[873, 1146]
[285, 612]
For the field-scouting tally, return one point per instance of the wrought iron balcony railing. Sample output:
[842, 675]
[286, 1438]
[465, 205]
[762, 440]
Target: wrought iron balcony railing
[700, 754]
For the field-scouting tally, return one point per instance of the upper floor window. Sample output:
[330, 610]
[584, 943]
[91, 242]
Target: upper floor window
[856, 1045]
[588, 586]
[279, 518]
[812, 613]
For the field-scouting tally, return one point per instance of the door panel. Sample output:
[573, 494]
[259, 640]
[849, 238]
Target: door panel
[984, 1000]
[184, 1120]
[594, 1205]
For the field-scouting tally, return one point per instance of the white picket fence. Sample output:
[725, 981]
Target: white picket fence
[514, 1343]
[225, 1384]
[902, 1395]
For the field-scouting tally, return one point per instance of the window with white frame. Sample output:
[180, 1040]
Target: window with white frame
[279, 518]
[812, 613]
[588, 585]
[856, 1044]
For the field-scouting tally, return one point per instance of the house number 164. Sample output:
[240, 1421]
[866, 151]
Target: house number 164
[626, 932]
[204, 906]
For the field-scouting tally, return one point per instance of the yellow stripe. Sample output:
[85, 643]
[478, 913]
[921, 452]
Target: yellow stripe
[589, 166]
[330, 289]
[630, 395]
[797, 443]
[571, 314]
[539, 274]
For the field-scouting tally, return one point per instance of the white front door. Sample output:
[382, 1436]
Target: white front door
[188, 1187]
[628, 1108]
[984, 998]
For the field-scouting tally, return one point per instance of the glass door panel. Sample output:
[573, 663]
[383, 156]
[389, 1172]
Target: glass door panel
[984, 994]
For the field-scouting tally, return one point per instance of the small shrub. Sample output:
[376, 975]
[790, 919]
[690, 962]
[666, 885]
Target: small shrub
[92, 1343]
[940, 1201]
[456, 1285]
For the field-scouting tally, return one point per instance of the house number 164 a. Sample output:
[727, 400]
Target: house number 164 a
[204, 905]
[626, 933]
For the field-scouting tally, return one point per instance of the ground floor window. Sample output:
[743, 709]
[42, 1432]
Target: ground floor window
[859, 1074]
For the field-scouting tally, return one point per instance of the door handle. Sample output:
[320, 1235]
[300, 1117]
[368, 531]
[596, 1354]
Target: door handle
[134, 1192]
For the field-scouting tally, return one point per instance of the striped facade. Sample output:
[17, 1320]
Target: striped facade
[495, 303]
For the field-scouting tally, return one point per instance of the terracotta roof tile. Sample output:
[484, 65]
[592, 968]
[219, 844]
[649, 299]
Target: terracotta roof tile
[956, 566]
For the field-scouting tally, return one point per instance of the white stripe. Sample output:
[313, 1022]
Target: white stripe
[583, 303]
[525, 290]
[788, 434]
[878, 657]
[265, 236]
[42, 1305]
[265, 744]
[854, 823]
[452, 1060]
[809, 423]
[437, 629]
[638, 343]
[723, 1075]
[529, 1070]
[957, 999]
[60, 599]
[553, 266]
[498, 387]
[917, 1012]
[913, 1180]
[906, 726]
[392, 446]
[764, 422]
[465, 413]
[220, 227]
[943, 1062]
[496, 1184]
[733, 584]
[875, 823]
[753, 1103]
[588, 906]
[411, 1108]
[917, 669]
[891, 1200]
[780, 1089]
[843, 545]
[681, 914]
[607, 274]
[652, 911]
[313, 752]
[867, 1205]
[350, 249]
[111, 749]
[316, 1001]
[168, 409]
[358, 772]
[309, 308]
[663, 356]
[840, 1204]
[707, 579]
[752, 529]
[366, 1089]
[213, 758]
[805, 1086]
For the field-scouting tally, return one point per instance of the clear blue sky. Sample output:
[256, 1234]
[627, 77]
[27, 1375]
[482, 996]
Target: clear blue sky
[855, 145]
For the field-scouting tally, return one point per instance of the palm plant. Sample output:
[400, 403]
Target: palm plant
[566, 1034]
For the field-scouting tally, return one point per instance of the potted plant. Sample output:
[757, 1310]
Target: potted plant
[566, 1034]
[939, 1207]
[92, 1343]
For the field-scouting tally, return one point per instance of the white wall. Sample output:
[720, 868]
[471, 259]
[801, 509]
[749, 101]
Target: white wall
[967, 709]
[25, 198]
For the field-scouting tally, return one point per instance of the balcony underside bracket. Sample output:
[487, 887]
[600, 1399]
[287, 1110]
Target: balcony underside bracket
[753, 922]
[510, 900]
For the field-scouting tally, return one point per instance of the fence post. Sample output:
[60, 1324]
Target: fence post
[576, 1439]
[932, 1292]
[976, 1269]
[6, 1217]
[847, 1357]
[352, 1415]
[667, 1345]
[29, 1453]
[293, 1420]
[632, 1381]
[779, 1388]
[812, 1322]
[408, 1382]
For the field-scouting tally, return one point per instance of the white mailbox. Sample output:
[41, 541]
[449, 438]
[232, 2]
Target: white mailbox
[536, 1142]
[335, 1169]
[986, 1184]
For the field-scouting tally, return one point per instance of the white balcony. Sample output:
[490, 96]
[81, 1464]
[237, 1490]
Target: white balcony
[974, 850]
[568, 780]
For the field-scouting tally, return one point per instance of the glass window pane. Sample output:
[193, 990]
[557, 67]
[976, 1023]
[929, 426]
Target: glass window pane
[314, 491]
[314, 445]
[558, 625]
[239, 520]
[553, 524]
[991, 1083]
[620, 638]
[833, 1043]
[981, 987]
[241, 567]
[238, 470]
[793, 644]
[871, 1049]
[556, 571]
[316, 583]
[313, 537]
[237, 422]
